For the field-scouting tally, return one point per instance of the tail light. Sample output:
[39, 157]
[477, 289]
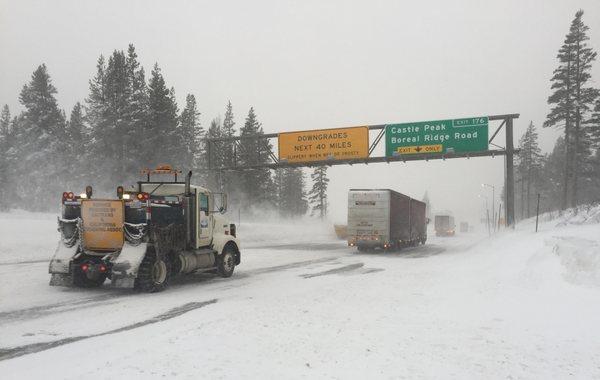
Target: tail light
[143, 196]
[85, 267]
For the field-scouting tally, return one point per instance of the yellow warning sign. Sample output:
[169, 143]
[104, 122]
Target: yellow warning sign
[420, 149]
[102, 224]
[324, 144]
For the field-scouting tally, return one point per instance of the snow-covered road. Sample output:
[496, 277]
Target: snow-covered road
[519, 305]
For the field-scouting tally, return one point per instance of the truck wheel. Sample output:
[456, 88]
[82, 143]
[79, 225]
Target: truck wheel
[226, 262]
[153, 274]
[80, 279]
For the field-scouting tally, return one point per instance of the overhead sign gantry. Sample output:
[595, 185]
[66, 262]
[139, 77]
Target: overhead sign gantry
[414, 141]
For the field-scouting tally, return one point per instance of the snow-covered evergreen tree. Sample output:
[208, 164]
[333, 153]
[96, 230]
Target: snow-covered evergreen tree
[529, 168]
[318, 194]
[4, 147]
[77, 138]
[229, 177]
[40, 142]
[257, 183]
[552, 177]
[291, 195]
[572, 100]
[137, 114]
[192, 135]
[214, 156]
[108, 110]
[162, 142]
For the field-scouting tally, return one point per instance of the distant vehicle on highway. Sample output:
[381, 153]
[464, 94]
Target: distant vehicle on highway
[444, 225]
[383, 218]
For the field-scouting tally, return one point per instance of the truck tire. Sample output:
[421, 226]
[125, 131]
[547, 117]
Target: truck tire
[153, 274]
[226, 262]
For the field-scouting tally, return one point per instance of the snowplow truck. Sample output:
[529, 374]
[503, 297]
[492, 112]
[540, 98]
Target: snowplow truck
[144, 237]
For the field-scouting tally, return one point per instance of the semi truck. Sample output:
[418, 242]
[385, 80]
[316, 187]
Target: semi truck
[144, 236]
[386, 219]
[444, 225]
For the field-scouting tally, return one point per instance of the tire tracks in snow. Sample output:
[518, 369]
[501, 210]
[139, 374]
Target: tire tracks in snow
[345, 268]
[115, 295]
[24, 262]
[296, 264]
[59, 307]
[13, 352]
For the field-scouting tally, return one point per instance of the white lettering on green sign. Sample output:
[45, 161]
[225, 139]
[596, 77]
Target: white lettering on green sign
[440, 136]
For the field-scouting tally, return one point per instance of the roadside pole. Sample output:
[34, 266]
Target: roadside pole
[487, 211]
[497, 221]
[537, 212]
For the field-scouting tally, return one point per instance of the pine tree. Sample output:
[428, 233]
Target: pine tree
[162, 142]
[318, 194]
[108, 109]
[254, 150]
[572, 100]
[77, 138]
[137, 113]
[529, 168]
[291, 197]
[191, 133]
[228, 147]
[214, 157]
[4, 147]
[593, 126]
[40, 142]
[552, 177]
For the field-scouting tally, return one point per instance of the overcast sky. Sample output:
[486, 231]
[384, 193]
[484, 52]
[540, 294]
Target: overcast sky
[319, 64]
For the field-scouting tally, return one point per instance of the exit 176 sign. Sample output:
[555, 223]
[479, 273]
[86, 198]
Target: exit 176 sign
[438, 136]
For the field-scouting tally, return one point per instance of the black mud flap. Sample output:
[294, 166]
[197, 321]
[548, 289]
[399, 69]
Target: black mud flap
[122, 281]
[61, 279]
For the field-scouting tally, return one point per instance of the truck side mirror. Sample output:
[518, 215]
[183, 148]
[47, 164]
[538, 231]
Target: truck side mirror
[223, 207]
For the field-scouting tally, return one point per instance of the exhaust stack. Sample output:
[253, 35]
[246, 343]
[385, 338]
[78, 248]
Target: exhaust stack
[189, 211]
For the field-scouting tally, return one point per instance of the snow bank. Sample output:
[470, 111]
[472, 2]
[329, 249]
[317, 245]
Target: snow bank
[579, 259]
[581, 215]
[27, 236]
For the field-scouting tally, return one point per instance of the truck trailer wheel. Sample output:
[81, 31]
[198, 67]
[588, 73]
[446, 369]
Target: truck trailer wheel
[153, 274]
[226, 262]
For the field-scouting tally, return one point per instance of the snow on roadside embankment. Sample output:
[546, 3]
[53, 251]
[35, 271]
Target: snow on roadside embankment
[27, 236]
[570, 244]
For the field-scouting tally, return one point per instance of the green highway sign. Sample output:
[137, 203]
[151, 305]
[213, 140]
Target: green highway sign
[439, 136]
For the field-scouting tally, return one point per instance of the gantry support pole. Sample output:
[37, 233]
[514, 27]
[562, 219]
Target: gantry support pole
[509, 186]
